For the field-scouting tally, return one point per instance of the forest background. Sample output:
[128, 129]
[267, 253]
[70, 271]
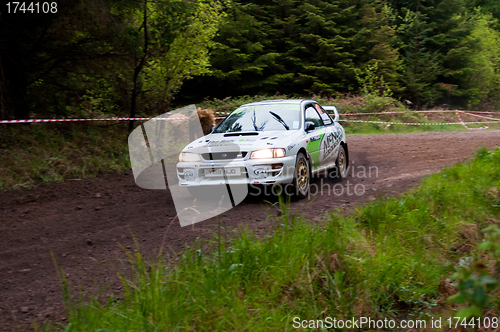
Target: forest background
[129, 57]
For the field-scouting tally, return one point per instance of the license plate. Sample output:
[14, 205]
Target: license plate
[219, 172]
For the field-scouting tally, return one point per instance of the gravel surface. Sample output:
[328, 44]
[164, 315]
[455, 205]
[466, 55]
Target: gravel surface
[87, 224]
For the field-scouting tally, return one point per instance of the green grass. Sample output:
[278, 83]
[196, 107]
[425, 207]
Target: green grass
[384, 260]
[54, 152]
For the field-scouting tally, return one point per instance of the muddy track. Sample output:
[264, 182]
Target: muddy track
[86, 224]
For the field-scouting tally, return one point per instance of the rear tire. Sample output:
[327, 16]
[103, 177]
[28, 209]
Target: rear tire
[302, 178]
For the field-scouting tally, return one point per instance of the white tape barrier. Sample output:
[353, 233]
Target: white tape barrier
[457, 112]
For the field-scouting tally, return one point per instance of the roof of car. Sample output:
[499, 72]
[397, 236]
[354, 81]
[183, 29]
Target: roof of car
[284, 101]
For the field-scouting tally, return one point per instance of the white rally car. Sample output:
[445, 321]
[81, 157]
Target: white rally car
[269, 142]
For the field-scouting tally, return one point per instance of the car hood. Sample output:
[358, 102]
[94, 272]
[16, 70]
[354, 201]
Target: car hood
[247, 141]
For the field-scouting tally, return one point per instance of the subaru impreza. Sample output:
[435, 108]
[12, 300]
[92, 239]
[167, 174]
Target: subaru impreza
[272, 142]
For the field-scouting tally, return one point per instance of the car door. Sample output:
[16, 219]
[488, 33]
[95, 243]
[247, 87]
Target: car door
[331, 139]
[313, 137]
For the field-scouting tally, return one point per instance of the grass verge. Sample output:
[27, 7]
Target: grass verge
[389, 259]
[44, 152]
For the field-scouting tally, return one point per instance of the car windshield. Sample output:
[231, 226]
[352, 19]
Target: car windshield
[263, 117]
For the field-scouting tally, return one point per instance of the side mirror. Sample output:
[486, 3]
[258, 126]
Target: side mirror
[334, 109]
[309, 126]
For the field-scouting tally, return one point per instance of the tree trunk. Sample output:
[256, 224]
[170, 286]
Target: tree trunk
[138, 68]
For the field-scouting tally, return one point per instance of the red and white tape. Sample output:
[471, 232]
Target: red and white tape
[402, 112]
[457, 112]
[95, 119]
[463, 123]
[419, 124]
[480, 116]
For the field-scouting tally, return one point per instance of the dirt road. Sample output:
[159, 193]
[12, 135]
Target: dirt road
[84, 222]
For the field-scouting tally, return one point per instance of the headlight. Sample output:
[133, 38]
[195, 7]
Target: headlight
[268, 153]
[189, 156]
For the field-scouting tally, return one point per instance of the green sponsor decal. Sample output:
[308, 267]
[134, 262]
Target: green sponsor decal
[314, 145]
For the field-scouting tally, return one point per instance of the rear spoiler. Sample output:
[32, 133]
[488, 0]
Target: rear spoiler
[334, 109]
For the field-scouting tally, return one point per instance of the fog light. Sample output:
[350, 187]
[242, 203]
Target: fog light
[189, 175]
[260, 172]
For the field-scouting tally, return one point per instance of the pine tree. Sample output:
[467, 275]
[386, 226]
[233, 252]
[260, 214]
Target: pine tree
[300, 47]
[433, 42]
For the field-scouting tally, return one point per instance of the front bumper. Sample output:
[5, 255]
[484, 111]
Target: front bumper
[245, 171]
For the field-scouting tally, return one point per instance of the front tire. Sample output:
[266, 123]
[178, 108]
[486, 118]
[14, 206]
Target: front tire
[341, 163]
[302, 178]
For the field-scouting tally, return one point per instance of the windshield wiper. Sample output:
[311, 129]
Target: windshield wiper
[254, 119]
[280, 120]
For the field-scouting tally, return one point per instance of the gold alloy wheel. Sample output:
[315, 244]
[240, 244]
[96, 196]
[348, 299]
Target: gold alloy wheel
[342, 163]
[302, 175]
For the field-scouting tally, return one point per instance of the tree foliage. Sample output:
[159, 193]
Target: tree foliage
[126, 56]
[181, 56]
[94, 55]
[299, 47]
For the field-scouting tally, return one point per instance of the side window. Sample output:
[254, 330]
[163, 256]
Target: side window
[327, 120]
[313, 116]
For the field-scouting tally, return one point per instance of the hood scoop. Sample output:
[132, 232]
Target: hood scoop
[241, 134]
